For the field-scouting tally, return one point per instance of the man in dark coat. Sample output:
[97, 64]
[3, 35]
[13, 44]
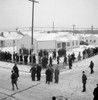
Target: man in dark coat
[21, 58]
[50, 62]
[38, 72]
[25, 59]
[58, 59]
[14, 80]
[65, 60]
[34, 59]
[52, 72]
[16, 70]
[70, 62]
[48, 75]
[44, 61]
[33, 72]
[84, 78]
[56, 75]
[95, 93]
[91, 66]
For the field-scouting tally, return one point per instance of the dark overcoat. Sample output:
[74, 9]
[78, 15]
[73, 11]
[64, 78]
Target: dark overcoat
[48, 75]
[56, 73]
[95, 93]
[16, 70]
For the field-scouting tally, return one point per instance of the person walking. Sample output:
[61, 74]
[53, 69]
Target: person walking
[16, 70]
[95, 93]
[91, 67]
[84, 79]
[14, 80]
[33, 72]
[56, 75]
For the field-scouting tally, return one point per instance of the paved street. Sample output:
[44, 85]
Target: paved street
[69, 86]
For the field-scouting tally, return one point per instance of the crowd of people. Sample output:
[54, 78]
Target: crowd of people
[52, 75]
[5, 56]
[45, 61]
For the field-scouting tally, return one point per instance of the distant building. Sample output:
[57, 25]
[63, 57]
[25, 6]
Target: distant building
[92, 39]
[9, 39]
[50, 42]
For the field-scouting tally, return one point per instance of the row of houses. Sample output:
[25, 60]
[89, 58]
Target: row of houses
[47, 41]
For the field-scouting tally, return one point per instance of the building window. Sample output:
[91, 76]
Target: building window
[68, 43]
[94, 41]
[90, 40]
[73, 43]
[87, 41]
[76, 42]
[58, 45]
[63, 45]
[1, 43]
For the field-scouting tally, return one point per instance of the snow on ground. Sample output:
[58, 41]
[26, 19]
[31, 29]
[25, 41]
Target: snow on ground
[69, 86]
[70, 83]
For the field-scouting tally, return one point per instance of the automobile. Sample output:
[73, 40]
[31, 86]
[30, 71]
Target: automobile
[83, 43]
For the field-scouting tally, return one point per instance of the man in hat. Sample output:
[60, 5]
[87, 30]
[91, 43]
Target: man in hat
[95, 93]
[16, 70]
[84, 78]
[14, 80]
[91, 66]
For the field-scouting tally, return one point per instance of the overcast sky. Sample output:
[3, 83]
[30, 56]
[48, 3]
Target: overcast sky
[64, 13]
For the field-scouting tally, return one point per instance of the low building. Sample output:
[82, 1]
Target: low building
[92, 39]
[49, 42]
[9, 39]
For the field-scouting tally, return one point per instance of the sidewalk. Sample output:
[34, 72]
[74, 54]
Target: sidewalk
[26, 68]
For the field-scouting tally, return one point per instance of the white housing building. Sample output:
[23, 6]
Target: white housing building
[50, 42]
[9, 39]
[92, 39]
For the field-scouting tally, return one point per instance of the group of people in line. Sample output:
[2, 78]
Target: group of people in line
[44, 58]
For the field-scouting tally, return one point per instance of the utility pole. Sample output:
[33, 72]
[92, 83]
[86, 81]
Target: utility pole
[53, 27]
[92, 29]
[32, 29]
[73, 27]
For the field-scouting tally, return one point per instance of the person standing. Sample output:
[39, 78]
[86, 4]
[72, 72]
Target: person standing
[65, 60]
[38, 72]
[44, 61]
[33, 72]
[58, 59]
[56, 75]
[16, 70]
[84, 79]
[91, 66]
[95, 93]
[48, 75]
[52, 72]
[70, 62]
[50, 62]
[53, 98]
[14, 80]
